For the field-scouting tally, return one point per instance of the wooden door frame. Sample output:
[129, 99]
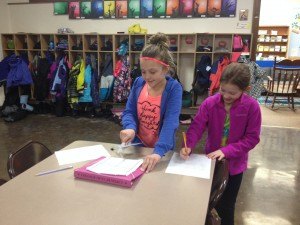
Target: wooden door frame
[255, 26]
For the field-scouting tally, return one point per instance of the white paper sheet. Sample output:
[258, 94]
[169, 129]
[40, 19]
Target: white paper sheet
[115, 166]
[80, 154]
[195, 166]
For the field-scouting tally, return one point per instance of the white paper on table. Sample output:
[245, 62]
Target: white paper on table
[115, 166]
[80, 154]
[196, 166]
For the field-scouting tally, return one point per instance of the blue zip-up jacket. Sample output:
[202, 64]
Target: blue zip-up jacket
[19, 73]
[4, 68]
[169, 113]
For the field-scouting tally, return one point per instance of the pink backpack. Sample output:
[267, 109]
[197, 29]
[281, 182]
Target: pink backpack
[246, 45]
[237, 43]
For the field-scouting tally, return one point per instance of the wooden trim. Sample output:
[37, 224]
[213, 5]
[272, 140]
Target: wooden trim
[275, 26]
[18, 3]
[49, 1]
[255, 25]
[34, 2]
[41, 1]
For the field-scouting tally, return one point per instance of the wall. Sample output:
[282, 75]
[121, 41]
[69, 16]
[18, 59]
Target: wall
[4, 28]
[4, 21]
[277, 12]
[39, 18]
[4, 17]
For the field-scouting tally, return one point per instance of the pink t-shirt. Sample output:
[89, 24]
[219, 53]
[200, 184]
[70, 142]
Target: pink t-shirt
[148, 109]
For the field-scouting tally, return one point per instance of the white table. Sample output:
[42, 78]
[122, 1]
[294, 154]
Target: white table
[157, 198]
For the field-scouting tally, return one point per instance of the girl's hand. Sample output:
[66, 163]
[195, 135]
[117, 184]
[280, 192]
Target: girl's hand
[185, 153]
[150, 162]
[127, 135]
[216, 155]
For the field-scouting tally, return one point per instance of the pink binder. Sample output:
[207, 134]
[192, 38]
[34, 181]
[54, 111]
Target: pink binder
[125, 181]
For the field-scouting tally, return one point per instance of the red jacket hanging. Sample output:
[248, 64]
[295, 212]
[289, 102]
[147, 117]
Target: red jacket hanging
[216, 77]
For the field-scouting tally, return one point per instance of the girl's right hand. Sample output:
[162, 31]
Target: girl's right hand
[127, 135]
[185, 153]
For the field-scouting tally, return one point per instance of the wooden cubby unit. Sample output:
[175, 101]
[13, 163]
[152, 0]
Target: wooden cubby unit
[187, 49]
[6, 38]
[45, 40]
[21, 42]
[90, 43]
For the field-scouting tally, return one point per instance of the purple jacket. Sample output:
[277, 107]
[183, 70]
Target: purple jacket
[245, 125]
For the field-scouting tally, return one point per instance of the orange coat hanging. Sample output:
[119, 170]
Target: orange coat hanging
[216, 77]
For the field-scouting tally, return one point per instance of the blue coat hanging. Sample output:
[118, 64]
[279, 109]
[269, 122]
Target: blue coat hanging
[86, 97]
[19, 73]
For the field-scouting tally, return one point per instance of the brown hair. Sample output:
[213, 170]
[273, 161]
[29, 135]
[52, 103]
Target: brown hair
[237, 74]
[158, 47]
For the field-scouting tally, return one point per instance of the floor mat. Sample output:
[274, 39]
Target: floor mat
[281, 101]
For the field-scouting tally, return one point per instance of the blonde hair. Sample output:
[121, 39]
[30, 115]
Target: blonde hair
[158, 47]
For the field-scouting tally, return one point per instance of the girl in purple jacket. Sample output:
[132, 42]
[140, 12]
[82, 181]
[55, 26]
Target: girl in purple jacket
[233, 122]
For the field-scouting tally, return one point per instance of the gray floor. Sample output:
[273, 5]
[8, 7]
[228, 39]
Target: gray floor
[271, 186]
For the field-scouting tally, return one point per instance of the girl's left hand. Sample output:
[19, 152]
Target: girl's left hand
[150, 162]
[216, 155]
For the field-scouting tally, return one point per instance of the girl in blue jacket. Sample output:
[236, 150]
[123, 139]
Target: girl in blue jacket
[154, 104]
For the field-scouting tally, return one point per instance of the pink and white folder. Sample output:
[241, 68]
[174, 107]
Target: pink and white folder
[120, 180]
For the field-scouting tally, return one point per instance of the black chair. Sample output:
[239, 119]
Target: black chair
[220, 180]
[25, 157]
[2, 181]
[284, 81]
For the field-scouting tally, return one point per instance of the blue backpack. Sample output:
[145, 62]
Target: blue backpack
[201, 81]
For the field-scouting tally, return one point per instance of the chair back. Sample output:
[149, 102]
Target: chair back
[2, 181]
[219, 183]
[285, 77]
[25, 157]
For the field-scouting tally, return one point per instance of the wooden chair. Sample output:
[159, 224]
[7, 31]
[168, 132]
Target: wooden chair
[219, 183]
[284, 81]
[25, 157]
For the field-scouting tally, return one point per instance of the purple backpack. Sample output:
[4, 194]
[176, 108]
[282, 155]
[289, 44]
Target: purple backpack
[122, 83]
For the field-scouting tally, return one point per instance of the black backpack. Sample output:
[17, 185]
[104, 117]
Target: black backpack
[41, 83]
[135, 72]
[201, 81]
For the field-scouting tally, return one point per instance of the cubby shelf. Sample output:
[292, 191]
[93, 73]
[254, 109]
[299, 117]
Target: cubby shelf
[273, 37]
[187, 49]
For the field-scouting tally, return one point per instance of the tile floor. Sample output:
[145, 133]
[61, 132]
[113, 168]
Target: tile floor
[270, 191]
